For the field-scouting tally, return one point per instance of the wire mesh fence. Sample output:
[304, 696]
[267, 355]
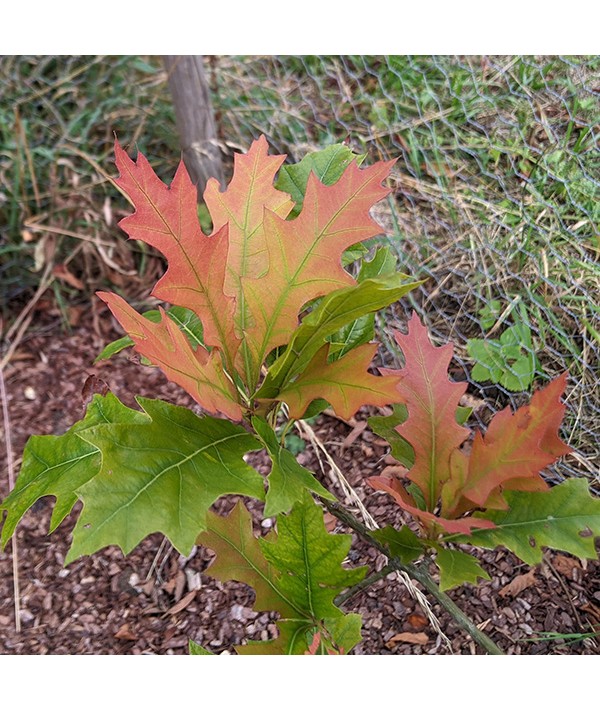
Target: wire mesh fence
[495, 201]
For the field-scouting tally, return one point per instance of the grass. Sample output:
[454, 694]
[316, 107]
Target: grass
[495, 196]
[58, 117]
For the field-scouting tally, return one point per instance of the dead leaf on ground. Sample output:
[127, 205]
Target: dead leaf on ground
[417, 621]
[351, 438]
[518, 584]
[566, 565]
[61, 272]
[410, 637]
[330, 522]
[182, 604]
[125, 632]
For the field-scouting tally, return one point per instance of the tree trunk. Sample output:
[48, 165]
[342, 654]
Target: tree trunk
[195, 120]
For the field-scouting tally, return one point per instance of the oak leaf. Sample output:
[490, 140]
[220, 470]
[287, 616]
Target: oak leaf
[166, 218]
[296, 572]
[345, 383]
[305, 253]
[509, 457]
[197, 371]
[431, 400]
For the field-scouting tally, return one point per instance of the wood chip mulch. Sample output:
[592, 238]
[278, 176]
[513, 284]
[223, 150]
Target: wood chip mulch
[154, 600]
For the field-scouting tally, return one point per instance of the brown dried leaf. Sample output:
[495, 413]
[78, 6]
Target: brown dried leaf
[351, 438]
[565, 565]
[518, 584]
[125, 632]
[417, 621]
[61, 272]
[182, 604]
[410, 637]
[180, 581]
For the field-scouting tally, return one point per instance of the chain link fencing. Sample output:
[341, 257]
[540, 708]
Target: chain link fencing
[494, 202]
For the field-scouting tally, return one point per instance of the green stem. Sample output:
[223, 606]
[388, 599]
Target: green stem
[418, 574]
[363, 585]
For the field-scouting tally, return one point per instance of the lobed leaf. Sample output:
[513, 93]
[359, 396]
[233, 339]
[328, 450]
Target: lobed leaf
[288, 479]
[187, 321]
[305, 254]
[296, 573]
[310, 560]
[161, 475]
[242, 207]
[166, 218]
[566, 518]
[516, 447]
[431, 400]
[402, 542]
[57, 465]
[457, 567]
[346, 384]
[197, 371]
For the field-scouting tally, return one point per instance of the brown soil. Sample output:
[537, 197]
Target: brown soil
[154, 600]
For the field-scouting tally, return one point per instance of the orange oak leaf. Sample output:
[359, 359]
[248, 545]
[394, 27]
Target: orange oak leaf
[429, 520]
[167, 219]
[305, 254]
[242, 205]
[431, 400]
[517, 446]
[346, 383]
[198, 372]
[509, 457]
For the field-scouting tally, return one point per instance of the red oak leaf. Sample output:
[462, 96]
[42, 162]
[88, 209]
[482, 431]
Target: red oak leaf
[517, 446]
[198, 372]
[167, 218]
[346, 383]
[431, 400]
[305, 253]
[429, 520]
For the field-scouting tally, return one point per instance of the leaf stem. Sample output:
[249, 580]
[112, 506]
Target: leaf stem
[415, 572]
[363, 585]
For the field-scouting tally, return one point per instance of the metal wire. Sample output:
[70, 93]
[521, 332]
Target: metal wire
[495, 199]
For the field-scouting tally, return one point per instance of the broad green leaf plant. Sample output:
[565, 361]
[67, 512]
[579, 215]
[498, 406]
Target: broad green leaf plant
[269, 320]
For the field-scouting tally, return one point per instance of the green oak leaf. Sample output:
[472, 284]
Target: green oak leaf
[385, 427]
[362, 330]
[310, 560]
[327, 164]
[186, 319]
[196, 649]
[345, 631]
[402, 542]
[457, 567]
[288, 479]
[58, 465]
[566, 518]
[334, 311]
[161, 475]
[296, 572]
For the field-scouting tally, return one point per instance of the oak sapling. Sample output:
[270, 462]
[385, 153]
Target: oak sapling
[264, 325]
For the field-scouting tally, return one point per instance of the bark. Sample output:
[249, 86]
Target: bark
[195, 120]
